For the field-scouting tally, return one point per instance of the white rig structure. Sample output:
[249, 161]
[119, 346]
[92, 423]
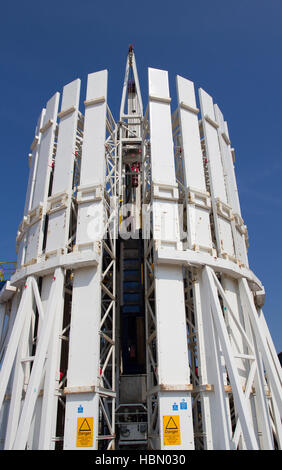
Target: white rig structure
[133, 320]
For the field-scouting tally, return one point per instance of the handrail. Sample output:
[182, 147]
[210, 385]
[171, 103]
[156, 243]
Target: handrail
[7, 269]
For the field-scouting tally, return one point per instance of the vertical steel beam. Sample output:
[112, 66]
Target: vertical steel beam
[33, 160]
[197, 197]
[59, 202]
[222, 212]
[58, 211]
[237, 223]
[37, 211]
[172, 352]
[86, 300]
[198, 207]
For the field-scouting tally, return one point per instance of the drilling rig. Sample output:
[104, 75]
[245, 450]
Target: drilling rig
[133, 319]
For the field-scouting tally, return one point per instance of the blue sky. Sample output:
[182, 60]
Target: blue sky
[232, 49]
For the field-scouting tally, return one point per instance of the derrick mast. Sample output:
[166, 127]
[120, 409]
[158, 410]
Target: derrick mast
[131, 414]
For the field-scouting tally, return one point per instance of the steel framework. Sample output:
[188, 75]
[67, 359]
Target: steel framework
[213, 379]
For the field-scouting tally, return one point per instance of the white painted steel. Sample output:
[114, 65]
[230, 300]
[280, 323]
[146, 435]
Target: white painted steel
[237, 223]
[273, 373]
[131, 63]
[242, 410]
[11, 308]
[173, 366]
[86, 300]
[2, 322]
[38, 206]
[58, 209]
[59, 203]
[217, 423]
[198, 199]
[23, 350]
[221, 209]
[23, 229]
[14, 341]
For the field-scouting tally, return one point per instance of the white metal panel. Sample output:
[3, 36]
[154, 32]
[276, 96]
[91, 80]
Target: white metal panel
[63, 172]
[171, 324]
[93, 161]
[237, 223]
[30, 188]
[33, 164]
[85, 322]
[168, 403]
[46, 151]
[192, 152]
[2, 322]
[221, 209]
[163, 170]
[37, 213]
[89, 402]
[172, 349]
[86, 325]
[90, 221]
[173, 363]
[198, 200]
[59, 204]
[165, 191]
[210, 127]
[86, 300]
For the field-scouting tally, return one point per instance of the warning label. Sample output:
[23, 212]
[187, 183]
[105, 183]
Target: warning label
[171, 430]
[84, 433]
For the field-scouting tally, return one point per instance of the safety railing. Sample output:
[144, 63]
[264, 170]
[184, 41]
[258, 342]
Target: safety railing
[7, 269]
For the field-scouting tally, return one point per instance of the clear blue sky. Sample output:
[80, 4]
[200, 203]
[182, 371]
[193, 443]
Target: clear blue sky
[232, 49]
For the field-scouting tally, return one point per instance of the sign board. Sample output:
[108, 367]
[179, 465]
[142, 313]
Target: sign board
[171, 430]
[84, 432]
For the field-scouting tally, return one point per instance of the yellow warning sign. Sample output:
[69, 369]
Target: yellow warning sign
[84, 433]
[171, 430]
